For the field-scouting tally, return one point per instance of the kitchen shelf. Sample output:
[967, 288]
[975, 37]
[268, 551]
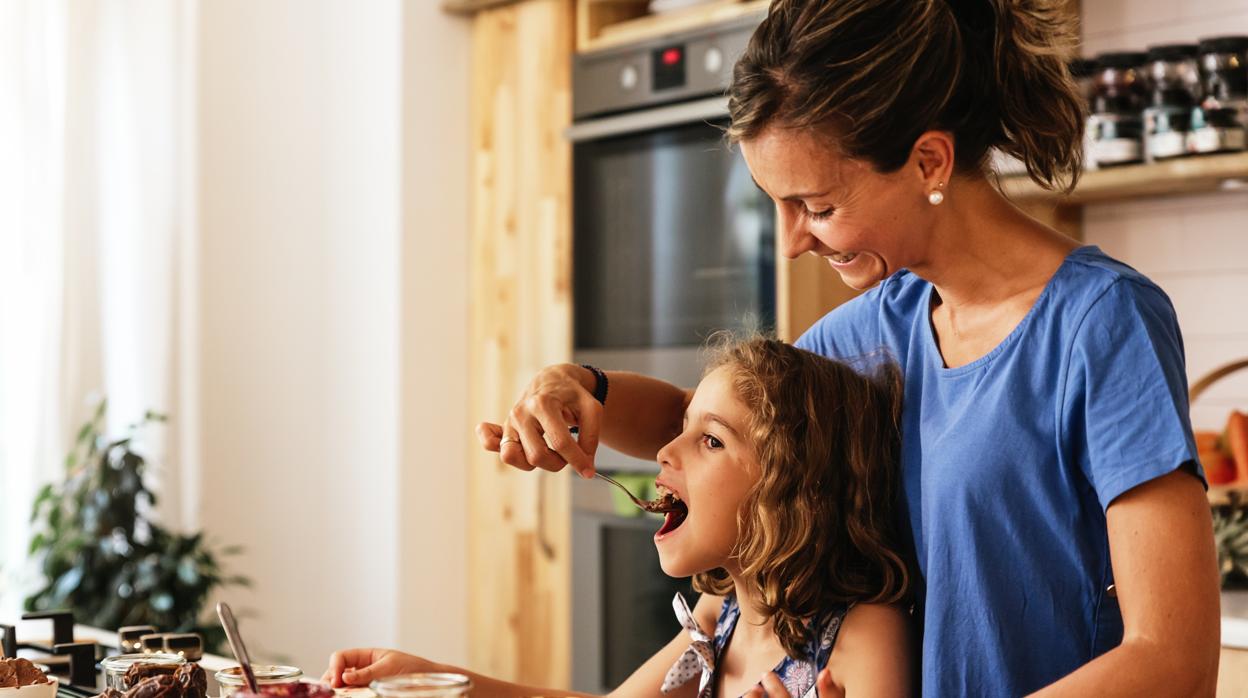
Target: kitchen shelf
[608, 23]
[1186, 175]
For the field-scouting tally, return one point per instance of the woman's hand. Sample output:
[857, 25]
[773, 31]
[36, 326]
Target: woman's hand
[771, 687]
[536, 430]
[358, 667]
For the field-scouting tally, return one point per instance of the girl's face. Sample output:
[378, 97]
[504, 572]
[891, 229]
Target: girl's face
[710, 466]
[866, 224]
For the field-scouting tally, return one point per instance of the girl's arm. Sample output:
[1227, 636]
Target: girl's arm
[358, 667]
[640, 416]
[874, 654]
[1165, 573]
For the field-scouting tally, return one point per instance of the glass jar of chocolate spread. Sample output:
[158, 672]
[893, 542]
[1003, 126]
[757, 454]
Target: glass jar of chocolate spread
[117, 668]
[436, 685]
[231, 679]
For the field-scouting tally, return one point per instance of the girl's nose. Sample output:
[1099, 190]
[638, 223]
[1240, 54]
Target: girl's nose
[667, 455]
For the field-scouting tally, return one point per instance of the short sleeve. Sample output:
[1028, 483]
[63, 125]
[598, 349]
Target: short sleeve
[848, 331]
[1125, 399]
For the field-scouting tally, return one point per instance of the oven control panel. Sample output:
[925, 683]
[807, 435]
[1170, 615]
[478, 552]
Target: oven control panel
[672, 69]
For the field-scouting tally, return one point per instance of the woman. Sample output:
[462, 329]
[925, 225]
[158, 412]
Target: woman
[1049, 473]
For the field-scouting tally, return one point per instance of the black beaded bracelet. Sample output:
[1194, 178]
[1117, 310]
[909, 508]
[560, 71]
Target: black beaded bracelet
[600, 383]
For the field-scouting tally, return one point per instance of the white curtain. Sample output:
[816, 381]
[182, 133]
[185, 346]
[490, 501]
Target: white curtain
[97, 245]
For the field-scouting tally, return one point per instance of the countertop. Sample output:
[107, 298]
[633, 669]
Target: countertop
[1235, 619]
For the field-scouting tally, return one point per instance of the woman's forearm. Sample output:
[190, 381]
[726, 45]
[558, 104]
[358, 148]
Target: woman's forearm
[642, 413]
[1141, 668]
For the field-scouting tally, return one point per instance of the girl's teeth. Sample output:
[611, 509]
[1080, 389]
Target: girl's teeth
[844, 257]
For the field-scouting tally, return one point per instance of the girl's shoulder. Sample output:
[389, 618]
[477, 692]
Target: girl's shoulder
[876, 643]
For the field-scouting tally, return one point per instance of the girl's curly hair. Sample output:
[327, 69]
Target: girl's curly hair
[818, 526]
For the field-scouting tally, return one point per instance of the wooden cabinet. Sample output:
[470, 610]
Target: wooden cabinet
[519, 575]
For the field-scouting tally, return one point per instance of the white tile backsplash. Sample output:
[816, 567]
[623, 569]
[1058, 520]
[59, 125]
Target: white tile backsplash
[1194, 247]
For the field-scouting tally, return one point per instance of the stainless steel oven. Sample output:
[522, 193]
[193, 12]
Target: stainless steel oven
[671, 241]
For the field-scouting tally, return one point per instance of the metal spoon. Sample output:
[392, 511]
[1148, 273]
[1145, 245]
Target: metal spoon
[237, 646]
[657, 507]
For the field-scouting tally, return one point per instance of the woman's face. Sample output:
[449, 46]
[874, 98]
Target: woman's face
[711, 467]
[866, 224]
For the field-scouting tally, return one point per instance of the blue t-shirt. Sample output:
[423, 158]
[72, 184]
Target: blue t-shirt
[1009, 462]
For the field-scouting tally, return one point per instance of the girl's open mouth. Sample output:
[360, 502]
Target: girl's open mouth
[675, 511]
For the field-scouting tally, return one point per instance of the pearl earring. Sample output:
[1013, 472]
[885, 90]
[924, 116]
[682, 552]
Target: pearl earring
[937, 197]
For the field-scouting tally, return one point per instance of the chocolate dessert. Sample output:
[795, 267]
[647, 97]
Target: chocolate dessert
[667, 501]
[162, 681]
[141, 671]
[164, 686]
[8, 675]
[15, 673]
[193, 680]
[289, 690]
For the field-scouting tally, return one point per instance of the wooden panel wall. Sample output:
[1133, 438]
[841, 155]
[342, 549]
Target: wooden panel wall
[521, 248]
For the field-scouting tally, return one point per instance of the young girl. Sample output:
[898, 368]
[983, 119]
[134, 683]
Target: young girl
[783, 480]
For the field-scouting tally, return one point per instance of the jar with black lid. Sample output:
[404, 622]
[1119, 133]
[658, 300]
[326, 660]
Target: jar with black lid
[1116, 127]
[1224, 65]
[1174, 78]
[1083, 70]
[1220, 122]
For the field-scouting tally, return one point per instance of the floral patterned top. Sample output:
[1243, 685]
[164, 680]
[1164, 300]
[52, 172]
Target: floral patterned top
[797, 675]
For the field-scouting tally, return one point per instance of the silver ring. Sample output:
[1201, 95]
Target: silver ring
[507, 440]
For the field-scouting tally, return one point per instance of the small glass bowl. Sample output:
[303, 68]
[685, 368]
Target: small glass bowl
[435, 685]
[115, 667]
[231, 679]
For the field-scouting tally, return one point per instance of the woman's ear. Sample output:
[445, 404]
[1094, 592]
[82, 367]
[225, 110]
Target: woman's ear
[933, 159]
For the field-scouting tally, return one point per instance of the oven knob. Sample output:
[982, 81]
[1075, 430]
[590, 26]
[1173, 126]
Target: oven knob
[628, 77]
[713, 60]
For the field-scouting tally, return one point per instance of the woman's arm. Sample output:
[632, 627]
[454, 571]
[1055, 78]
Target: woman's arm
[1165, 573]
[640, 416]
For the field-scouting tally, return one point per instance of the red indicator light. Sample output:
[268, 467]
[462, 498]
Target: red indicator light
[671, 56]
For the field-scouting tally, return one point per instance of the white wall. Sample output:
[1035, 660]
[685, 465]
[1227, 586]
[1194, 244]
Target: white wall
[1194, 247]
[333, 297]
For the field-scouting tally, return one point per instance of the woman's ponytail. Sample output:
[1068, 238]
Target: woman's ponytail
[1042, 114]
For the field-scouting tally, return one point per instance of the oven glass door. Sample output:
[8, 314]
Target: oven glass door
[672, 240]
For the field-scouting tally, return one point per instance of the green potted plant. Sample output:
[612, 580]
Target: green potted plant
[101, 554]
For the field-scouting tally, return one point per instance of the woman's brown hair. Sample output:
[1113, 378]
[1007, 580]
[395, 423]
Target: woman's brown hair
[818, 526]
[879, 73]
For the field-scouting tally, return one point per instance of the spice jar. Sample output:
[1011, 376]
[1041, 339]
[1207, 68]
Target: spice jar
[1220, 122]
[1116, 126]
[422, 686]
[1083, 70]
[116, 667]
[231, 679]
[1224, 66]
[1174, 76]
[1121, 83]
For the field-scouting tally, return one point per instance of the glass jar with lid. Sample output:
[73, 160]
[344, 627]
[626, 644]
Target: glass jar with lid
[435, 685]
[117, 667]
[1121, 83]
[1220, 122]
[1224, 67]
[1174, 76]
[231, 679]
[1083, 71]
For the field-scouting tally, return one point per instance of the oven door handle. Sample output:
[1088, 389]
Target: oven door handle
[688, 112]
